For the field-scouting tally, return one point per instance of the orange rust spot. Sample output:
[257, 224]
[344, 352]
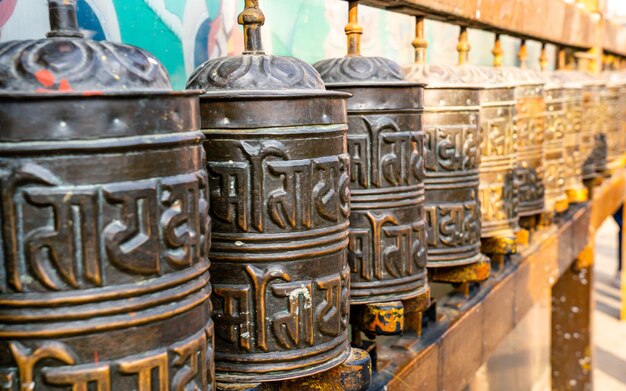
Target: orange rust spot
[45, 77]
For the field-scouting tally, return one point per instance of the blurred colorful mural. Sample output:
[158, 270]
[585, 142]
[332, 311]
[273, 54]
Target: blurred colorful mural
[185, 33]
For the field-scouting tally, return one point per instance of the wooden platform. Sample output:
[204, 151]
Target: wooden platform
[452, 350]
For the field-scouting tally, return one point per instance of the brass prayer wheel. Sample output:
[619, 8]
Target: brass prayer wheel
[387, 250]
[451, 125]
[613, 121]
[578, 141]
[529, 124]
[559, 165]
[279, 177]
[105, 232]
[498, 200]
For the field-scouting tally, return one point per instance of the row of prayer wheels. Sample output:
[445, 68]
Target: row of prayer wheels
[326, 197]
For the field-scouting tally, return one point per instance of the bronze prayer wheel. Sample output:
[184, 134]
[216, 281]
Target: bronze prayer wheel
[451, 125]
[578, 141]
[560, 162]
[611, 98]
[529, 124]
[387, 250]
[594, 113]
[105, 232]
[498, 200]
[579, 117]
[279, 175]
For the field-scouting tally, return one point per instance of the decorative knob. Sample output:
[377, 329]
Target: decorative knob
[463, 47]
[419, 43]
[522, 54]
[63, 20]
[543, 58]
[497, 52]
[252, 19]
[353, 29]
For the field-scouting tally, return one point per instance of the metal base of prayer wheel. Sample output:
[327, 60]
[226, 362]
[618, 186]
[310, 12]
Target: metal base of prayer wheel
[499, 245]
[355, 374]
[389, 318]
[476, 271]
[576, 196]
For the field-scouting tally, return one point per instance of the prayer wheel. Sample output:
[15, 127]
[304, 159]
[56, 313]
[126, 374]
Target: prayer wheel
[498, 201]
[615, 85]
[578, 141]
[559, 166]
[451, 125]
[387, 250]
[529, 124]
[278, 171]
[105, 233]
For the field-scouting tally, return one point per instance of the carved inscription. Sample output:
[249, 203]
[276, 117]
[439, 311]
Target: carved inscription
[452, 148]
[302, 311]
[453, 224]
[385, 156]
[269, 188]
[58, 236]
[498, 138]
[386, 249]
[498, 201]
[181, 366]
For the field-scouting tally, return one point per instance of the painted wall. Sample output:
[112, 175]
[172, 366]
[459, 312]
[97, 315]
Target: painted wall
[185, 33]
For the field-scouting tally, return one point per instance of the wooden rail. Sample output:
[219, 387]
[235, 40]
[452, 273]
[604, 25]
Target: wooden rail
[550, 21]
[451, 351]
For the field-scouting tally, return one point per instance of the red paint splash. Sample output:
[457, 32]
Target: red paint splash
[45, 77]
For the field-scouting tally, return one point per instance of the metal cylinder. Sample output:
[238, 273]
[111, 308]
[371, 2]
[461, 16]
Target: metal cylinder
[612, 109]
[280, 202]
[560, 167]
[387, 251]
[578, 137]
[498, 145]
[105, 232]
[529, 123]
[451, 125]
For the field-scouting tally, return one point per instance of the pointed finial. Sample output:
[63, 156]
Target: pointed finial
[463, 47]
[419, 43]
[543, 58]
[63, 20]
[497, 52]
[353, 29]
[522, 54]
[252, 19]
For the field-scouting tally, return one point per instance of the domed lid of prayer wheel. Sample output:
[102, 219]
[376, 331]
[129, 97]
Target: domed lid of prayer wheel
[66, 62]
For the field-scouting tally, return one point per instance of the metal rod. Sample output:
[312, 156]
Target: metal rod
[497, 52]
[543, 58]
[463, 47]
[353, 29]
[63, 20]
[522, 54]
[252, 19]
[419, 43]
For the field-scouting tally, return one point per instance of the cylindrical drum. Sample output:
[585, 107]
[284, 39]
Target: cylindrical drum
[387, 251]
[105, 276]
[280, 202]
[578, 139]
[558, 164]
[612, 121]
[580, 115]
[594, 113]
[529, 123]
[451, 125]
[498, 200]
